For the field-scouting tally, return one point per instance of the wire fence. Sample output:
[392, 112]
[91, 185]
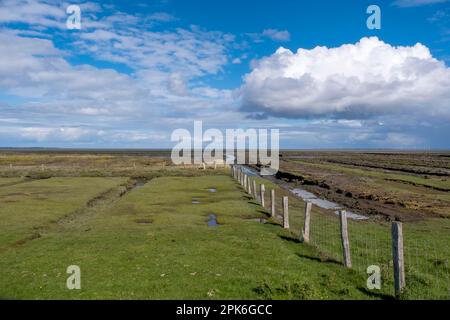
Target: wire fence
[370, 245]
[422, 262]
[427, 268]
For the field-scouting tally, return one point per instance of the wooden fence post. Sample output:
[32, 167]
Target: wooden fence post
[397, 254]
[286, 212]
[255, 191]
[272, 202]
[245, 182]
[249, 185]
[263, 189]
[344, 238]
[308, 206]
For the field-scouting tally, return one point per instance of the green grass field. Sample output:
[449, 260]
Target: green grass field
[29, 207]
[154, 243]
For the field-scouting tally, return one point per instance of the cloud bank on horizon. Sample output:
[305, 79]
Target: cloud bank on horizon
[131, 75]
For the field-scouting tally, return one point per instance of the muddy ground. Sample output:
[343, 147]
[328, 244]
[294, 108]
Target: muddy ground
[393, 185]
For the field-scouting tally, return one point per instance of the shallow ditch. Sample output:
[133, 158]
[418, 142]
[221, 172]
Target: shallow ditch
[101, 201]
[308, 196]
[143, 221]
[325, 204]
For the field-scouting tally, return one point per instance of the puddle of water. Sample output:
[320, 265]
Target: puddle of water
[325, 204]
[303, 194]
[249, 172]
[213, 190]
[353, 216]
[195, 201]
[322, 203]
[212, 220]
[140, 184]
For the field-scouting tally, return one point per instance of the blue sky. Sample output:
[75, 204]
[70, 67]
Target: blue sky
[136, 71]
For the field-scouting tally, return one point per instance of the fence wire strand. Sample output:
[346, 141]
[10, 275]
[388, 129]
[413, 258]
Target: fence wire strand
[426, 264]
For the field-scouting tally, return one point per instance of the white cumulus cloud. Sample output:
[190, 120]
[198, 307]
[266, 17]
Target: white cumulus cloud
[277, 35]
[361, 80]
